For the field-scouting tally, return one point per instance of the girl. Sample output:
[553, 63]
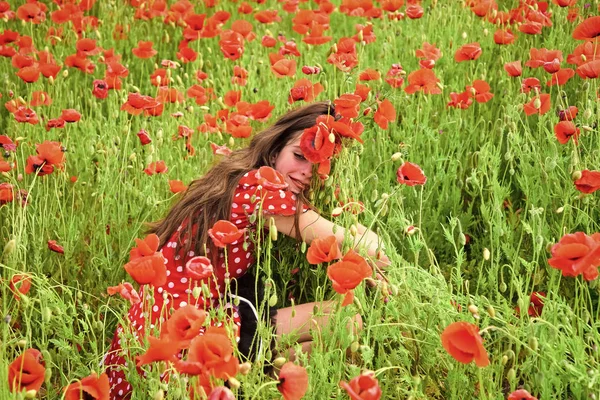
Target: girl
[228, 192]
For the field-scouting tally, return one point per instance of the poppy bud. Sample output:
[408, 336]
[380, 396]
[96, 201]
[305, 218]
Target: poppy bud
[410, 230]
[576, 175]
[486, 254]
[51, 80]
[464, 35]
[9, 247]
[587, 114]
[485, 32]
[337, 212]
[559, 210]
[279, 361]
[245, 368]
[583, 58]
[537, 103]
[273, 300]
[396, 156]
[159, 395]
[473, 309]
[65, 73]
[334, 48]
[353, 230]
[502, 287]
[46, 314]
[167, 38]
[360, 36]
[354, 346]
[533, 343]
[511, 374]
[491, 311]
[331, 138]
[233, 383]
[587, 128]
[367, 111]
[462, 239]
[22, 343]
[30, 394]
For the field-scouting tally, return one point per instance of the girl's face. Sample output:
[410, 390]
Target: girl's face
[296, 169]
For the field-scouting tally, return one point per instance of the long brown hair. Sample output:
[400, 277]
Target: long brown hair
[208, 199]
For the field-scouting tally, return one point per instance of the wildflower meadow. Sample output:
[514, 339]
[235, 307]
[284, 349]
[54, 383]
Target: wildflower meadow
[466, 136]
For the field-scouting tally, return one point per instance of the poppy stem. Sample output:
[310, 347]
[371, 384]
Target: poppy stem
[264, 385]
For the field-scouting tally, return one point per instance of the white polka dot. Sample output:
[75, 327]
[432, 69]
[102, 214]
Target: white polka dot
[160, 289]
[168, 272]
[245, 206]
[246, 196]
[177, 258]
[235, 249]
[155, 308]
[247, 255]
[120, 392]
[182, 304]
[271, 207]
[239, 221]
[239, 271]
[235, 314]
[191, 254]
[237, 260]
[282, 194]
[176, 295]
[171, 285]
[234, 215]
[283, 206]
[293, 208]
[246, 174]
[237, 195]
[184, 280]
[233, 205]
[180, 268]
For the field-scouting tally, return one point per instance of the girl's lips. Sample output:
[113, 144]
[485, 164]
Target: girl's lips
[297, 183]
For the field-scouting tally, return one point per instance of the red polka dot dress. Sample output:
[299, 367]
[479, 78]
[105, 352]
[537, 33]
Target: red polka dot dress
[179, 291]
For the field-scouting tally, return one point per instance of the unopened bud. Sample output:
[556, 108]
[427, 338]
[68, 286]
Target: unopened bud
[233, 383]
[410, 230]
[464, 35]
[353, 230]
[331, 138]
[22, 343]
[559, 210]
[533, 343]
[587, 128]
[396, 156]
[354, 346]
[159, 80]
[486, 254]
[337, 212]
[367, 111]
[245, 368]
[273, 300]
[65, 73]
[159, 395]
[473, 309]
[273, 232]
[587, 114]
[279, 361]
[51, 80]
[576, 175]
[511, 374]
[485, 32]
[504, 359]
[537, 103]
[30, 394]
[197, 292]
[491, 311]
[10, 246]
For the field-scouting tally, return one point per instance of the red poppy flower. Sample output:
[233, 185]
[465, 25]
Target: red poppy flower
[480, 91]
[23, 114]
[323, 250]
[160, 349]
[347, 105]
[137, 103]
[146, 265]
[40, 98]
[20, 284]
[100, 90]
[144, 50]
[55, 123]
[70, 115]
[126, 291]
[538, 105]
[220, 150]
[460, 100]
[315, 35]
[588, 29]
[185, 324]
[589, 70]
[7, 144]
[55, 247]
[199, 268]
[521, 394]
[304, 90]
[561, 77]
[369, 74]
[213, 353]
[29, 74]
[144, 137]
[410, 174]
[240, 76]
[385, 114]
[423, 80]
[284, 68]
[316, 144]
[50, 154]
[26, 372]
[220, 393]
[428, 52]
[87, 47]
[310, 70]
[414, 11]
[267, 16]
[268, 41]
[568, 114]
[362, 91]
[158, 167]
[31, 12]
[176, 186]
[589, 181]
[463, 342]
[577, 253]
[529, 84]
[504, 36]
[270, 179]
[564, 130]
[6, 166]
[541, 57]
[92, 387]
[293, 381]
[224, 232]
[363, 387]
[346, 57]
[348, 273]
[536, 304]
[468, 52]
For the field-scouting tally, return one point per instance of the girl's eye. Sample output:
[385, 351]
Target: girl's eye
[299, 156]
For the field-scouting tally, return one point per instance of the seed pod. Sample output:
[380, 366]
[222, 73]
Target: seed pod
[273, 300]
[464, 35]
[533, 343]
[331, 138]
[511, 374]
[245, 368]
[504, 359]
[354, 346]
[537, 103]
[559, 210]
[65, 73]
[22, 343]
[279, 361]
[491, 311]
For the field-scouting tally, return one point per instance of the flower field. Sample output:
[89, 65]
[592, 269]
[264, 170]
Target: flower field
[467, 138]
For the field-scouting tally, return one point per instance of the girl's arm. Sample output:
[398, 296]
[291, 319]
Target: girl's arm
[313, 226]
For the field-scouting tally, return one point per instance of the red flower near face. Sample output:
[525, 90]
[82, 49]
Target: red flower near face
[220, 393]
[213, 353]
[347, 105]
[410, 174]
[126, 291]
[538, 105]
[146, 265]
[26, 372]
[521, 394]
[270, 179]
[363, 387]
[55, 247]
[224, 232]
[100, 90]
[323, 250]
[199, 268]
[565, 130]
[92, 387]
[463, 342]
[346, 58]
[293, 381]
[144, 50]
[577, 253]
[589, 70]
[20, 284]
[385, 114]
[348, 273]
[316, 144]
[589, 181]
[468, 52]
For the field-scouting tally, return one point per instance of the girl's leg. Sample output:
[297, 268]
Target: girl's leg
[305, 320]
